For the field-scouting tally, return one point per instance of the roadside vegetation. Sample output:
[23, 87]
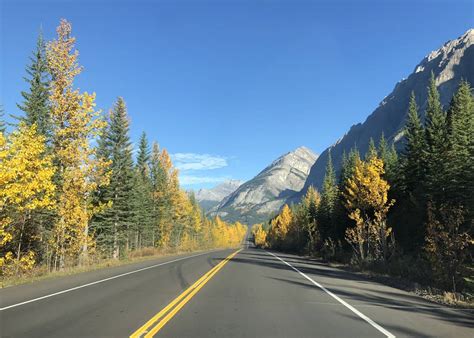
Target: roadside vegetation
[407, 214]
[71, 192]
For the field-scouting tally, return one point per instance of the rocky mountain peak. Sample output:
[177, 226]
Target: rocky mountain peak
[254, 200]
[450, 63]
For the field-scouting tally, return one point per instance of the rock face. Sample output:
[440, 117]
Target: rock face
[260, 197]
[209, 198]
[451, 63]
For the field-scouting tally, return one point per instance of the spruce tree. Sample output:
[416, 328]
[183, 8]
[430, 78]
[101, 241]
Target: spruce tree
[161, 212]
[436, 148]
[101, 224]
[371, 151]
[413, 172]
[118, 219]
[461, 146]
[329, 196]
[36, 104]
[348, 164]
[143, 202]
[388, 154]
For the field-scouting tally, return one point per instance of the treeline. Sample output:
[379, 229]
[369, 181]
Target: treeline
[408, 214]
[70, 189]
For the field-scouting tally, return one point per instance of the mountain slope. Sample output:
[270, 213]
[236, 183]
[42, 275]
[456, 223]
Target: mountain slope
[209, 198]
[451, 63]
[263, 195]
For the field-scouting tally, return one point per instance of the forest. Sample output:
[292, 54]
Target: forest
[405, 212]
[72, 191]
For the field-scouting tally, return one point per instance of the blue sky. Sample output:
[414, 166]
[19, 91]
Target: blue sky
[228, 86]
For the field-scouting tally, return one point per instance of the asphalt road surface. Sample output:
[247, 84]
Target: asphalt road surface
[225, 293]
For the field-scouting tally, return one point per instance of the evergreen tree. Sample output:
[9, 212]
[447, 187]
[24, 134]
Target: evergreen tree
[371, 151]
[144, 231]
[348, 164]
[36, 104]
[436, 148]
[143, 157]
[161, 212]
[101, 225]
[461, 146]
[329, 196]
[389, 156]
[413, 171]
[114, 224]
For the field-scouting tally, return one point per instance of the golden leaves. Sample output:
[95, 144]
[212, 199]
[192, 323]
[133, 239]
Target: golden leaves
[75, 123]
[366, 198]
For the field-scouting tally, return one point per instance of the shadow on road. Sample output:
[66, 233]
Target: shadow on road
[357, 289]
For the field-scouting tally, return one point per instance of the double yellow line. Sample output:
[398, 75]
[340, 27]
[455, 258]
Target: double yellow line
[151, 327]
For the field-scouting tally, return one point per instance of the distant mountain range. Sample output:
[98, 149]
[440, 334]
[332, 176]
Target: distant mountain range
[287, 178]
[209, 198]
[255, 200]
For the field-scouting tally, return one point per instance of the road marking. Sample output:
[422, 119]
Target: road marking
[389, 306]
[160, 314]
[172, 308]
[350, 307]
[102, 280]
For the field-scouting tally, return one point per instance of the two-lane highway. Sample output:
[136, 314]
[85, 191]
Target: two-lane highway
[225, 293]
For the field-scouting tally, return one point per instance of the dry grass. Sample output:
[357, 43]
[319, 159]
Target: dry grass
[41, 272]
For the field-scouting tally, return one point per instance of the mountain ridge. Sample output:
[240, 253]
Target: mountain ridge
[450, 63]
[264, 194]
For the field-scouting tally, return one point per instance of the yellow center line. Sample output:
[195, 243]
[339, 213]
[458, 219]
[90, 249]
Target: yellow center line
[144, 327]
[178, 302]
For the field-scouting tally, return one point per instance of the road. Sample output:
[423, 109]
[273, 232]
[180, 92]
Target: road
[223, 293]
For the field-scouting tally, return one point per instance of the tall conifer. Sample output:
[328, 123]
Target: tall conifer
[35, 104]
[329, 195]
[436, 145]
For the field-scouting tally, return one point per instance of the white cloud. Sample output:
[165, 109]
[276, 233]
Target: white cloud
[192, 161]
[192, 180]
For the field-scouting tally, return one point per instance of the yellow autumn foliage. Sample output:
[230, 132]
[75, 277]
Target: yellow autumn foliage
[259, 236]
[75, 122]
[366, 199]
[26, 184]
[280, 226]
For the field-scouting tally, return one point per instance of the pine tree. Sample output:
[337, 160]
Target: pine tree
[329, 196]
[436, 148]
[36, 105]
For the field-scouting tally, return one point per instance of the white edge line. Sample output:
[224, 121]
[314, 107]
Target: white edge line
[350, 307]
[102, 280]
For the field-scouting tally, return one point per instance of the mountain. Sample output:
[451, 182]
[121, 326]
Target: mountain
[263, 195]
[209, 198]
[451, 63]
